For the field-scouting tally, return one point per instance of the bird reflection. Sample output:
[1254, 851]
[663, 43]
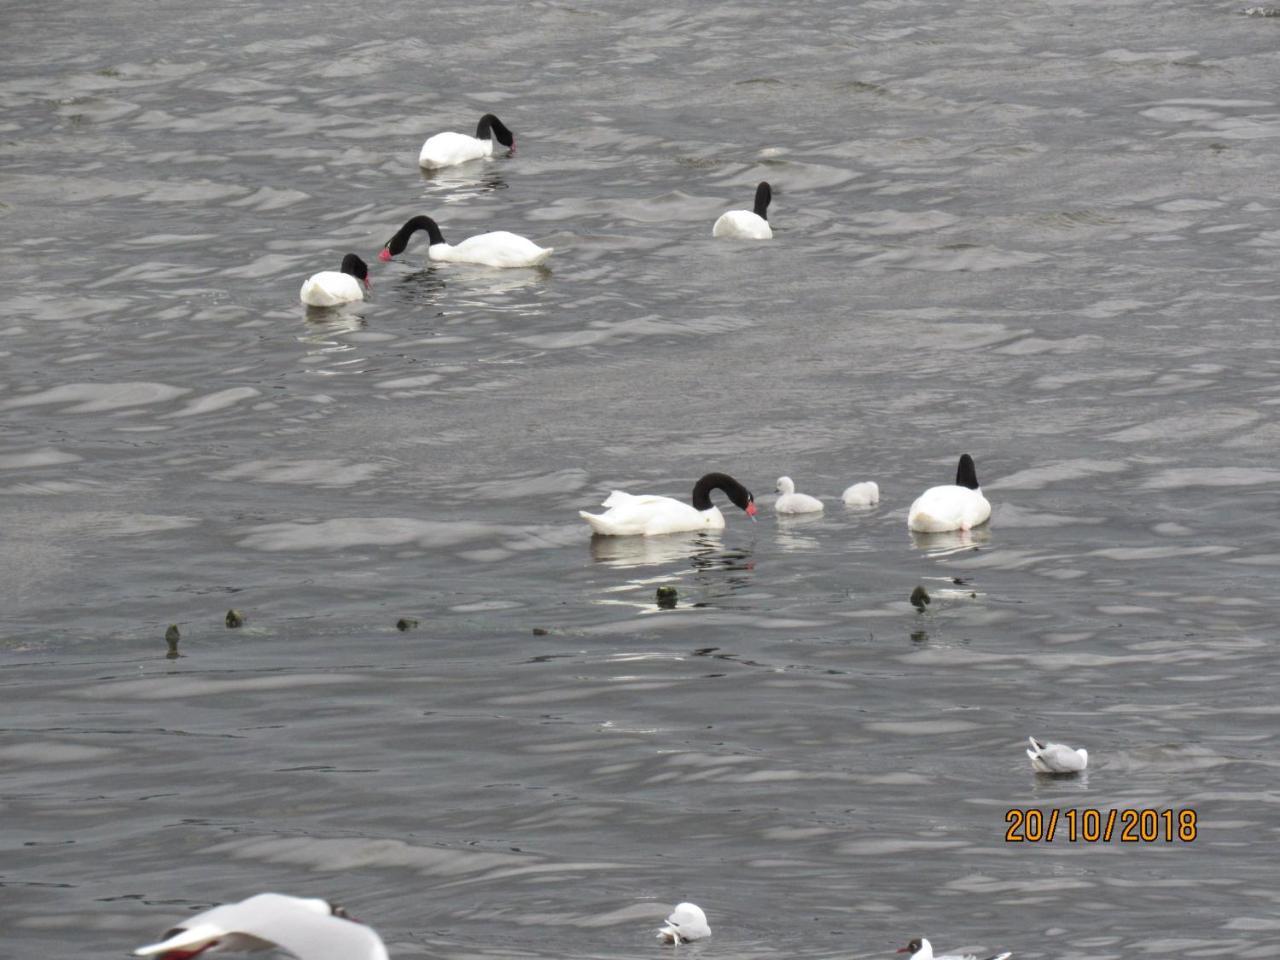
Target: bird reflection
[461, 182]
[421, 286]
[953, 541]
[791, 531]
[699, 547]
[331, 321]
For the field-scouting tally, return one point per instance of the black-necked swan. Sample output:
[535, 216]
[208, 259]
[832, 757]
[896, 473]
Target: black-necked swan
[791, 502]
[449, 148]
[864, 494]
[308, 928]
[1056, 757]
[687, 922]
[953, 506]
[651, 515]
[329, 288]
[496, 249]
[748, 224]
[921, 949]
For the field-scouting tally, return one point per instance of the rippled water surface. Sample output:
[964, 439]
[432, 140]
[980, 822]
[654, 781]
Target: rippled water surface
[1045, 234]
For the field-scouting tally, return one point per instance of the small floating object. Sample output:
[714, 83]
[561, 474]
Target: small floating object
[864, 494]
[1049, 757]
[920, 598]
[235, 619]
[171, 637]
[687, 922]
[667, 597]
[307, 928]
[540, 631]
[407, 623]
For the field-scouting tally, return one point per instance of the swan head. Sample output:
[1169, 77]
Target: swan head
[919, 948]
[398, 242]
[785, 486]
[491, 126]
[738, 495]
[966, 473]
[357, 268]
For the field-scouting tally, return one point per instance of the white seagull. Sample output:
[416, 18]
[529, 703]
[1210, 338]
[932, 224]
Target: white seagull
[687, 922]
[308, 928]
[1056, 757]
[922, 949]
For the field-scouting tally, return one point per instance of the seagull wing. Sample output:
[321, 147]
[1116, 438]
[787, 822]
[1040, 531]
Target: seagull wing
[304, 933]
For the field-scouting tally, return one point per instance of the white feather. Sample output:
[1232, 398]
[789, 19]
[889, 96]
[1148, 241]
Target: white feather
[791, 502]
[330, 288]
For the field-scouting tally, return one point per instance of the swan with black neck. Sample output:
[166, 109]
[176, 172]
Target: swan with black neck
[449, 148]
[496, 249]
[650, 515]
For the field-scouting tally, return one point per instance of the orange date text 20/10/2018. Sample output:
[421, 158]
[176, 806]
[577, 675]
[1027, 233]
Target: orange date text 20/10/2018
[1092, 825]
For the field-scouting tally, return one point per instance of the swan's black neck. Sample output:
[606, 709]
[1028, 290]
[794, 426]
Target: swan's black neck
[735, 491]
[397, 243]
[355, 266]
[491, 125]
[966, 475]
[764, 193]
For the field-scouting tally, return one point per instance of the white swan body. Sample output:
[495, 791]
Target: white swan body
[449, 148]
[864, 494]
[496, 249]
[748, 224]
[329, 288]
[308, 928]
[922, 949]
[1056, 757]
[791, 502]
[686, 922]
[650, 516]
[953, 506]
[742, 225]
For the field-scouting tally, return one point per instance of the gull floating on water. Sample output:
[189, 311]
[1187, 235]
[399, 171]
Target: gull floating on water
[687, 922]
[1056, 757]
[922, 949]
[308, 928]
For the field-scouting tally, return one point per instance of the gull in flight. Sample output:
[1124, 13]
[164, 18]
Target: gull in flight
[310, 929]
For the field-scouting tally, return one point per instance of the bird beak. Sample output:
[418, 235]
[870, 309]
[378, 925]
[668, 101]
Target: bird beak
[385, 255]
[367, 284]
[903, 950]
[751, 509]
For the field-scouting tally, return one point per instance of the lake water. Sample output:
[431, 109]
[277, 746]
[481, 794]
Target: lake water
[1044, 234]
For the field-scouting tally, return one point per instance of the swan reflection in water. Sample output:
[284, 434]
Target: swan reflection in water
[325, 323]
[704, 552]
[462, 182]
[792, 531]
[952, 541]
[702, 549]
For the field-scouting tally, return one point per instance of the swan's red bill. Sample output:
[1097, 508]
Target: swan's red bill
[903, 950]
[385, 255]
[367, 284]
[751, 509]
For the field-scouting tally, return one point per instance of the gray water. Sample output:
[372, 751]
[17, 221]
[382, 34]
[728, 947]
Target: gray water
[1042, 233]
